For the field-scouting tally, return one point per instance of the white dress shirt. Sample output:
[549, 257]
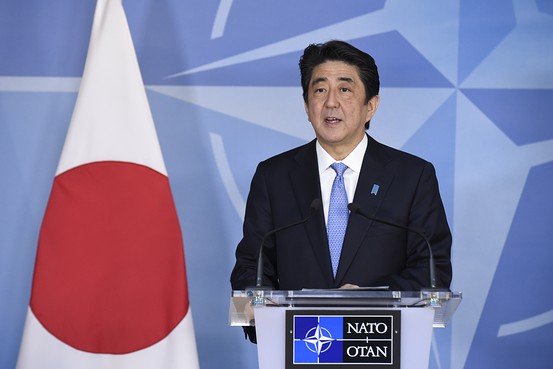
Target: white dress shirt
[326, 174]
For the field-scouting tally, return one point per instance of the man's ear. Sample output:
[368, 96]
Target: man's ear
[372, 105]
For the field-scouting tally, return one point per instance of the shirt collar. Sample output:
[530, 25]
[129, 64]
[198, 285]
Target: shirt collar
[354, 160]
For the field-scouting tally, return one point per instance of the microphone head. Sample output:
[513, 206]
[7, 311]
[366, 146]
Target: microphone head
[353, 208]
[316, 205]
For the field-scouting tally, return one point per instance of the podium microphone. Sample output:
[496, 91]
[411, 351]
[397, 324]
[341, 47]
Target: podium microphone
[313, 208]
[356, 209]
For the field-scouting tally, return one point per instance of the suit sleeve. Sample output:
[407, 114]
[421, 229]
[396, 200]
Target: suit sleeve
[257, 222]
[428, 215]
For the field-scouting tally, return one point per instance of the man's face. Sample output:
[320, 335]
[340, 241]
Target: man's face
[336, 107]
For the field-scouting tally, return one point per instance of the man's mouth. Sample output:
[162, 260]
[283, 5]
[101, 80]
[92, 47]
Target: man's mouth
[332, 120]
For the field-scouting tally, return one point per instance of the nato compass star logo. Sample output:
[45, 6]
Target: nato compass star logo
[318, 339]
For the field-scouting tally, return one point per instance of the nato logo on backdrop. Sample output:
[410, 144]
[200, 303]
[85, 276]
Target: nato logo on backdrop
[332, 339]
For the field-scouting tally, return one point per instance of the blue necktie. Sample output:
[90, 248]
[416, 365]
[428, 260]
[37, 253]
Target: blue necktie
[338, 215]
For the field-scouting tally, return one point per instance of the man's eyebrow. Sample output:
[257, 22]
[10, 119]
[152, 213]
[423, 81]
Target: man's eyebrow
[324, 79]
[346, 79]
[318, 80]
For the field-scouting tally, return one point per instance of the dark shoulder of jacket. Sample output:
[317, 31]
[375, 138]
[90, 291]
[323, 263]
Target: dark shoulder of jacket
[284, 158]
[392, 154]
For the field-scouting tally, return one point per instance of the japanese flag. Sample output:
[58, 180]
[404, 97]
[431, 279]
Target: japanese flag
[109, 288]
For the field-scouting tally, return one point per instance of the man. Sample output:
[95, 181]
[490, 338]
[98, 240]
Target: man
[340, 91]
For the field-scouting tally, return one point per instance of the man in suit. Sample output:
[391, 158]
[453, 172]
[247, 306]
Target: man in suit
[340, 91]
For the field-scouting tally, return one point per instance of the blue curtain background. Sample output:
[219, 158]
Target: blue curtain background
[466, 84]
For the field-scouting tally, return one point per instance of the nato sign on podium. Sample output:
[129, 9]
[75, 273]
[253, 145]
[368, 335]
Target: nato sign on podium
[354, 328]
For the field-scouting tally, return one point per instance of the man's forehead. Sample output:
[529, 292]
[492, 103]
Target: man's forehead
[334, 71]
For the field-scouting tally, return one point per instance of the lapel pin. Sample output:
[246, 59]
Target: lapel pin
[374, 191]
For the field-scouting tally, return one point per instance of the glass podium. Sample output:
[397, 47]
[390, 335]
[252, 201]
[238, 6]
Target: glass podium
[271, 311]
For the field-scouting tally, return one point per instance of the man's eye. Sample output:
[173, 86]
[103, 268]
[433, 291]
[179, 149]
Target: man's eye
[344, 89]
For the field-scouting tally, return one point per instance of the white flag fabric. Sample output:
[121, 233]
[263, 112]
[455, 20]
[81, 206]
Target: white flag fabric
[109, 288]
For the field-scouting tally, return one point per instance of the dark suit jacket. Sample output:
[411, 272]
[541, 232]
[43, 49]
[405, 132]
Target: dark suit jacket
[373, 254]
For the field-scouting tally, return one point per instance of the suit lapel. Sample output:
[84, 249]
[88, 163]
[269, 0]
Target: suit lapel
[306, 183]
[374, 181]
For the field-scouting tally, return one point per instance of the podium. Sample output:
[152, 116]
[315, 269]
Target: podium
[352, 328]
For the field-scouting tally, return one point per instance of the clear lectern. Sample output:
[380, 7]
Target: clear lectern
[331, 329]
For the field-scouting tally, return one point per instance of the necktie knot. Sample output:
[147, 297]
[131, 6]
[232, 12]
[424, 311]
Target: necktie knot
[339, 168]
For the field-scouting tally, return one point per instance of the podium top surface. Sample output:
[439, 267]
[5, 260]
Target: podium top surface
[243, 302]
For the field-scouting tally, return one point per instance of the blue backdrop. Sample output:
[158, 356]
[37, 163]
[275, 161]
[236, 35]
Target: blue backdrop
[466, 84]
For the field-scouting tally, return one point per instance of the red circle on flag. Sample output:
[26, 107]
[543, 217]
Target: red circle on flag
[110, 274]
